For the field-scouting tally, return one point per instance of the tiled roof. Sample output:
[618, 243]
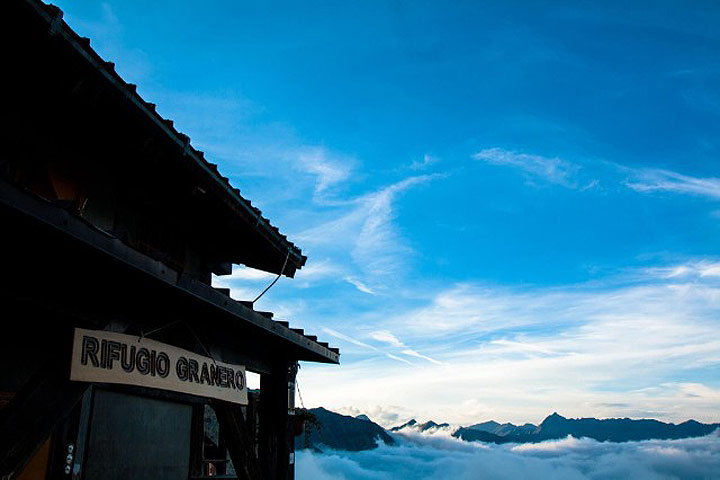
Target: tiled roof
[53, 15]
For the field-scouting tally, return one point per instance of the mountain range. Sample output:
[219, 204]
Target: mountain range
[606, 430]
[341, 432]
[420, 427]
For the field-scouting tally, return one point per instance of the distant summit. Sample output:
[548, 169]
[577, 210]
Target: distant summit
[420, 427]
[607, 430]
[411, 423]
[621, 429]
[504, 429]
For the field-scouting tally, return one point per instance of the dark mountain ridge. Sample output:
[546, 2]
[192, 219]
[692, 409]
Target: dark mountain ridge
[342, 432]
[504, 429]
[611, 429]
[421, 427]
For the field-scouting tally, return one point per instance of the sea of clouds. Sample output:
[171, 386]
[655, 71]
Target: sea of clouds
[439, 456]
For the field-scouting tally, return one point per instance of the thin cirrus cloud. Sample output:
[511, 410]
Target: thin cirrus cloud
[366, 346]
[536, 167]
[356, 234]
[701, 268]
[610, 351]
[423, 163]
[387, 337]
[569, 174]
[360, 285]
[657, 180]
[364, 228]
[244, 280]
[328, 170]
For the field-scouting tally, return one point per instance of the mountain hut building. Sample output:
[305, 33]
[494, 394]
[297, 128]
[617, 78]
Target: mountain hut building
[118, 359]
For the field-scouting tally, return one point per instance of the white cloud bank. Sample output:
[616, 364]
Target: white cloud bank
[436, 457]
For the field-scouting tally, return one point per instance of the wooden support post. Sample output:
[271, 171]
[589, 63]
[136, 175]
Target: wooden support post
[251, 418]
[240, 442]
[197, 435]
[276, 449]
[32, 415]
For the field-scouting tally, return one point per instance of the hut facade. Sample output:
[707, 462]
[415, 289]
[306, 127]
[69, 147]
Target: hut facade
[118, 359]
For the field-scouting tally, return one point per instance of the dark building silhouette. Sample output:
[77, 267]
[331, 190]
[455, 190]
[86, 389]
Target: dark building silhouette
[111, 227]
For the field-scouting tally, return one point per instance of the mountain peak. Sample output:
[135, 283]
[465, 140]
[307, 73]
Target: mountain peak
[554, 417]
[411, 423]
[553, 423]
[342, 432]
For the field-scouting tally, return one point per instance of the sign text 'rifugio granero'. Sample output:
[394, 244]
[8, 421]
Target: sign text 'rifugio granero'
[109, 357]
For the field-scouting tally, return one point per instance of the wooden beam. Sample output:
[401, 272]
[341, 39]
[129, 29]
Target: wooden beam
[240, 442]
[89, 241]
[276, 439]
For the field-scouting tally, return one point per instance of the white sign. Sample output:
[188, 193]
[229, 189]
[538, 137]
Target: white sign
[109, 357]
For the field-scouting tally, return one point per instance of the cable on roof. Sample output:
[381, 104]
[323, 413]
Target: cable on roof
[274, 281]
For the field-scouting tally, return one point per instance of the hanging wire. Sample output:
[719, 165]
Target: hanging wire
[192, 332]
[200, 342]
[143, 334]
[297, 385]
[276, 279]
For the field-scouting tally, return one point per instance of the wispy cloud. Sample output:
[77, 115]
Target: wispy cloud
[364, 345]
[535, 167]
[387, 416]
[423, 163]
[655, 180]
[378, 245]
[364, 227]
[246, 274]
[700, 268]
[414, 353]
[329, 170]
[608, 349]
[400, 359]
[569, 174]
[360, 285]
[348, 338]
[318, 269]
[387, 337]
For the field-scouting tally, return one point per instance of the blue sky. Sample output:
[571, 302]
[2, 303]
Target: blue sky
[509, 208]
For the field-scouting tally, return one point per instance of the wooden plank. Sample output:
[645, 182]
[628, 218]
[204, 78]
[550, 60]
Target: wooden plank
[197, 438]
[239, 441]
[191, 373]
[276, 439]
